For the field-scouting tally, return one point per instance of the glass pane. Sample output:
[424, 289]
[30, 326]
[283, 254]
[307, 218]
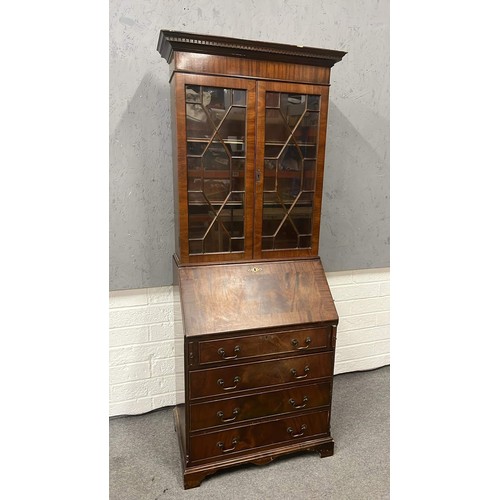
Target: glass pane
[239, 165]
[232, 217]
[216, 157]
[289, 174]
[291, 159]
[270, 225]
[233, 126]
[217, 239]
[235, 226]
[308, 151]
[238, 181]
[193, 93]
[194, 183]
[277, 131]
[269, 180]
[304, 242]
[217, 101]
[301, 215]
[197, 123]
[288, 188]
[196, 148]
[195, 246]
[313, 102]
[237, 245]
[270, 165]
[309, 180]
[196, 198]
[200, 218]
[291, 140]
[292, 106]
[306, 198]
[236, 200]
[287, 236]
[236, 148]
[270, 175]
[216, 131]
[273, 214]
[267, 243]
[239, 97]
[272, 151]
[272, 99]
[307, 130]
[216, 190]
[194, 163]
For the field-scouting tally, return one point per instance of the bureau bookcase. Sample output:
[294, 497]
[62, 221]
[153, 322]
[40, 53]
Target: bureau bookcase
[254, 315]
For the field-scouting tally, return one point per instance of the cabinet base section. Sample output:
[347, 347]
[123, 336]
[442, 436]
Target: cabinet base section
[194, 475]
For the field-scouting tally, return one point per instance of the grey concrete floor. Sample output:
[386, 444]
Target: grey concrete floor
[145, 459]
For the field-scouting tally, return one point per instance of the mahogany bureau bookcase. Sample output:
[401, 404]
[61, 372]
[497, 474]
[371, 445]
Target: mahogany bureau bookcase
[255, 316]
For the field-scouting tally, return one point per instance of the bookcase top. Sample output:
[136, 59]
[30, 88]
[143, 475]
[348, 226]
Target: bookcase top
[173, 41]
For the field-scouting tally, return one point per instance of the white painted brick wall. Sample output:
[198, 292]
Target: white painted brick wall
[141, 350]
[362, 301]
[142, 373]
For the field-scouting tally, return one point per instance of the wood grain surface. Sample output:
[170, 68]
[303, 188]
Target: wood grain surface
[239, 409]
[184, 62]
[259, 375]
[181, 170]
[234, 348]
[262, 89]
[237, 440]
[259, 333]
[238, 297]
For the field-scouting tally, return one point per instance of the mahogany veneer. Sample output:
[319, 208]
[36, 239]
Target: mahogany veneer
[257, 382]
[217, 413]
[249, 346]
[254, 313]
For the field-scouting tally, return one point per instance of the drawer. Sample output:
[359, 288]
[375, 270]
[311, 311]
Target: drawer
[231, 379]
[239, 409]
[210, 351]
[226, 443]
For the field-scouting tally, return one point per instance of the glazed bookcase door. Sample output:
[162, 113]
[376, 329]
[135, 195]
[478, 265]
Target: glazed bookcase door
[216, 140]
[291, 133]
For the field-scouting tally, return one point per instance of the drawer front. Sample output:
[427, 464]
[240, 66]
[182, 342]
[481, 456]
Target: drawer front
[231, 379]
[249, 346]
[235, 410]
[224, 444]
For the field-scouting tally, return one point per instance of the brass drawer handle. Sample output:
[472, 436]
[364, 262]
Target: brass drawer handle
[234, 442]
[220, 414]
[293, 371]
[294, 404]
[295, 343]
[303, 427]
[236, 381]
[222, 353]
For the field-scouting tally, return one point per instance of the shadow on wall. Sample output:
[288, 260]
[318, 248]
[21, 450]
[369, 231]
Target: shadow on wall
[355, 211]
[141, 199]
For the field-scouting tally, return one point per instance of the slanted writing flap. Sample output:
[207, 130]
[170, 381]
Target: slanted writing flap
[234, 297]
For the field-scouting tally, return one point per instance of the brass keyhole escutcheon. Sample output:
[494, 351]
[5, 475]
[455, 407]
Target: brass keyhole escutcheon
[255, 269]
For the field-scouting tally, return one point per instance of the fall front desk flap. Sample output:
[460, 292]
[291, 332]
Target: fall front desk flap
[231, 297]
